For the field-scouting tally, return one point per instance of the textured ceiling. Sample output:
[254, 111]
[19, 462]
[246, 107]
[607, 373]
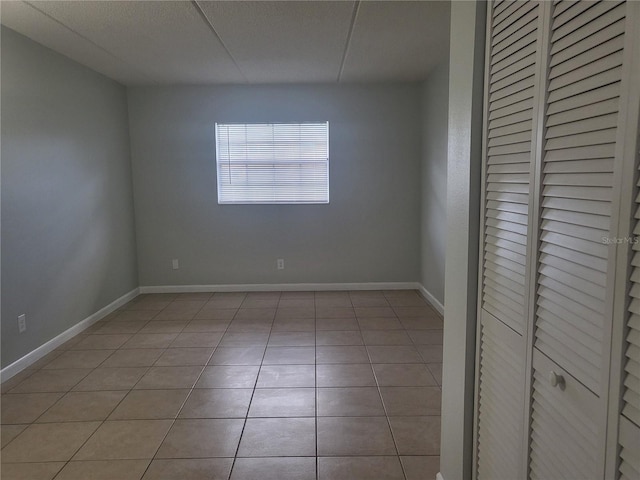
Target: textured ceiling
[204, 42]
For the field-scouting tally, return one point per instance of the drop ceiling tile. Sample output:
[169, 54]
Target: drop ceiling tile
[293, 41]
[24, 19]
[167, 40]
[397, 40]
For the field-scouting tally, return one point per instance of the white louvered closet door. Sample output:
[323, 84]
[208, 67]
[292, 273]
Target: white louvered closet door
[511, 97]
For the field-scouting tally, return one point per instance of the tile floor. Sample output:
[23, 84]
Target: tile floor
[291, 385]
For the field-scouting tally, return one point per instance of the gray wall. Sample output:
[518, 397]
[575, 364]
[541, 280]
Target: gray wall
[68, 241]
[435, 107]
[368, 233]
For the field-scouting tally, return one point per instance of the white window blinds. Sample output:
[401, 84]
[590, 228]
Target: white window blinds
[272, 162]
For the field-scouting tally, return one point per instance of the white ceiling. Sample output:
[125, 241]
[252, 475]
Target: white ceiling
[204, 42]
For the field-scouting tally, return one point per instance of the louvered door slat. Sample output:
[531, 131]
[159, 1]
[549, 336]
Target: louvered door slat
[629, 440]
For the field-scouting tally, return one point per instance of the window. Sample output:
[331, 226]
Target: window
[272, 162]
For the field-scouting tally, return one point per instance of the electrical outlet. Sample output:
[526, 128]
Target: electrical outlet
[175, 264]
[280, 264]
[22, 323]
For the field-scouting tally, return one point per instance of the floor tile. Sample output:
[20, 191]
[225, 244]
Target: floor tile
[104, 470]
[430, 353]
[284, 468]
[416, 435]
[9, 432]
[238, 339]
[150, 340]
[411, 400]
[18, 378]
[292, 339]
[420, 323]
[349, 402]
[143, 357]
[155, 326]
[341, 354]
[331, 324]
[294, 325]
[393, 354]
[122, 378]
[403, 375]
[193, 296]
[102, 342]
[114, 327]
[189, 469]
[345, 375]
[436, 371]
[414, 311]
[289, 356]
[134, 315]
[124, 439]
[217, 403]
[83, 407]
[225, 300]
[386, 337]
[55, 380]
[283, 402]
[150, 405]
[287, 376]
[360, 468]
[237, 356]
[369, 301]
[197, 339]
[175, 357]
[388, 323]
[26, 407]
[278, 437]
[421, 468]
[48, 442]
[202, 438]
[364, 312]
[426, 337]
[30, 471]
[255, 314]
[206, 326]
[169, 377]
[339, 337]
[347, 436]
[79, 359]
[232, 376]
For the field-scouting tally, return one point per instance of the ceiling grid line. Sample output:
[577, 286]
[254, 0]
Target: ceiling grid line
[224, 45]
[88, 40]
[354, 16]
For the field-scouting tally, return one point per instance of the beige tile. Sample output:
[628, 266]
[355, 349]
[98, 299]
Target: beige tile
[382, 323]
[202, 438]
[104, 470]
[283, 402]
[16, 379]
[349, 402]
[163, 327]
[102, 342]
[61, 380]
[294, 325]
[190, 469]
[193, 296]
[426, 337]
[30, 471]
[150, 405]
[255, 314]
[50, 357]
[286, 468]
[48, 442]
[345, 375]
[150, 340]
[253, 302]
[292, 339]
[174, 357]
[237, 356]
[334, 312]
[250, 326]
[180, 310]
[289, 356]
[26, 407]
[403, 375]
[367, 312]
[225, 300]
[422, 323]
[293, 295]
[287, 376]
[240, 339]
[197, 339]
[409, 300]
[341, 354]
[328, 324]
[110, 328]
[122, 440]
[369, 301]
[79, 359]
[393, 354]
[360, 468]
[337, 301]
[339, 337]
[204, 326]
[278, 437]
[354, 436]
[169, 377]
[421, 468]
[232, 376]
[135, 315]
[9, 432]
[121, 378]
[83, 407]
[386, 337]
[436, 371]
[217, 403]
[147, 304]
[143, 357]
[212, 312]
[411, 400]
[430, 353]
[286, 303]
[416, 435]
[296, 313]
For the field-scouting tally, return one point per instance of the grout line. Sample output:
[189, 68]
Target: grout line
[354, 15]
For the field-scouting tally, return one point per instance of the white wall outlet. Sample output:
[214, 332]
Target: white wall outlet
[175, 264]
[280, 263]
[22, 323]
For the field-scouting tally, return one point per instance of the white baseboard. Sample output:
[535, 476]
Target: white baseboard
[279, 287]
[439, 476]
[35, 355]
[431, 299]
